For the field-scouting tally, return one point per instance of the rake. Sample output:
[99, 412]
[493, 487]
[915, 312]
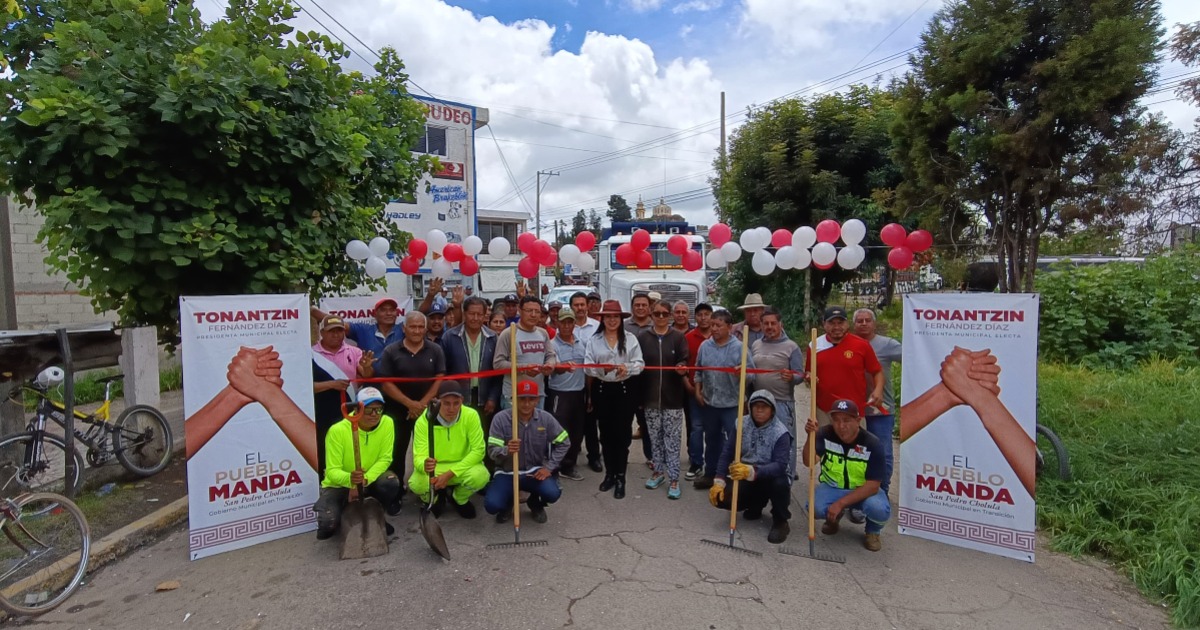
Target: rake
[516, 544]
[812, 471]
[737, 458]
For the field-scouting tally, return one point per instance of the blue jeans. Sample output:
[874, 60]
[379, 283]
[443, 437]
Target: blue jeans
[718, 424]
[881, 427]
[877, 508]
[499, 494]
[695, 437]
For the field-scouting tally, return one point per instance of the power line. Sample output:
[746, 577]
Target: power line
[508, 170]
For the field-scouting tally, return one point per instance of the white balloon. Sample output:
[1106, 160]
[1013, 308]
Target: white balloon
[379, 247]
[853, 232]
[715, 258]
[851, 256]
[358, 250]
[748, 239]
[376, 267]
[803, 258]
[824, 253]
[764, 237]
[442, 268]
[472, 245]
[569, 254]
[437, 240]
[499, 247]
[763, 262]
[585, 263]
[731, 252]
[804, 237]
[785, 257]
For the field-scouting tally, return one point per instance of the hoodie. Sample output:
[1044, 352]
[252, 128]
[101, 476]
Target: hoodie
[764, 448]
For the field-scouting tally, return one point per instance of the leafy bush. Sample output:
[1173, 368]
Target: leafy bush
[1120, 314]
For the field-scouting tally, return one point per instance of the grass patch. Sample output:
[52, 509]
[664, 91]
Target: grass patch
[1134, 443]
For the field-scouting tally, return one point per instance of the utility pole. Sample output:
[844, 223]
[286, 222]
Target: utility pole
[722, 133]
[538, 215]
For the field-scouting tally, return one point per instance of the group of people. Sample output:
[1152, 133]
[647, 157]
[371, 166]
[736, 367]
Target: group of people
[587, 371]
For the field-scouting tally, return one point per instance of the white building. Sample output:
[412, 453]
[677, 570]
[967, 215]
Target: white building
[497, 276]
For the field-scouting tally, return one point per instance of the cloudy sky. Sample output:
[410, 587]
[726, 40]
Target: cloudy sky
[623, 96]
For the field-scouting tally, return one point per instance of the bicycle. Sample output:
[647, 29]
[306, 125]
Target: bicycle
[48, 556]
[35, 459]
[1052, 458]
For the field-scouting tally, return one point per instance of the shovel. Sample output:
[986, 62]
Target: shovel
[812, 551]
[363, 529]
[430, 528]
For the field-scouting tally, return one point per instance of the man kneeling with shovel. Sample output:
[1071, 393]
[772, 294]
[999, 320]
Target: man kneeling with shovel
[457, 449]
[375, 437]
[763, 471]
[541, 444]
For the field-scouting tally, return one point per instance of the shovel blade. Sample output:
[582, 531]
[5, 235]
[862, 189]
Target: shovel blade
[363, 530]
[432, 531]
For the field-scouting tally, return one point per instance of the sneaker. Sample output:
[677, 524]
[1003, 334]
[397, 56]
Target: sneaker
[537, 511]
[752, 514]
[692, 472]
[673, 491]
[503, 515]
[571, 474]
[393, 508]
[872, 542]
[655, 481]
[779, 532]
[596, 466]
[703, 482]
[857, 517]
[466, 510]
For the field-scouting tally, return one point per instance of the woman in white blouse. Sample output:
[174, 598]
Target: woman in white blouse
[612, 397]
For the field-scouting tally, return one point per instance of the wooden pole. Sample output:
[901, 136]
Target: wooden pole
[812, 439]
[512, 338]
[737, 445]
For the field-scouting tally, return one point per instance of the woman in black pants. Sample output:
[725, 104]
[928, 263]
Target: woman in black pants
[612, 395]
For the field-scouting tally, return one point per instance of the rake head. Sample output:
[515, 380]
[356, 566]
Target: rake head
[518, 545]
[713, 543]
[812, 553]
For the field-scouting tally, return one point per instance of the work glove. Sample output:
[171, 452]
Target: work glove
[741, 472]
[716, 493]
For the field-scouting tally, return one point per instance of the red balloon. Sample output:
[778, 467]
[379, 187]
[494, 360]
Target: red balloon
[719, 234]
[678, 245]
[409, 265]
[417, 249]
[919, 241]
[585, 241]
[828, 231]
[469, 266]
[548, 257]
[900, 258]
[827, 266]
[781, 237]
[692, 260]
[526, 240]
[643, 259]
[640, 239]
[893, 235]
[528, 268]
[625, 254]
[453, 252]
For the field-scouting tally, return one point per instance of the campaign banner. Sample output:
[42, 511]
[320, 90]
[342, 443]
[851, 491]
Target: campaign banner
[361, 309]
[968, 455]
[248, 409]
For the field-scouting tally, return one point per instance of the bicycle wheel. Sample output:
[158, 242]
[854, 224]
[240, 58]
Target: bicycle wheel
[142, 440]
[46, 554]
[28, 464]
[1052, 454]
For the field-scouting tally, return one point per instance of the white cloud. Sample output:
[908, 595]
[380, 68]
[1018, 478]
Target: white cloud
[685, 30]
[643, 6]
[809, 24]
[696, 5]
[567, 27]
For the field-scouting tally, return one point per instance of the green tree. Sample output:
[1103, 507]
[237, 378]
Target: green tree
[1024, 112]
[579, 223]
[798, 162]
[594, 222]
[169, 156]
[1184, 201]
[618, 209]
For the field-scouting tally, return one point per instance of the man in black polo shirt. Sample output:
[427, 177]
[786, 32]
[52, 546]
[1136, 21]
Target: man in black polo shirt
[413, 357]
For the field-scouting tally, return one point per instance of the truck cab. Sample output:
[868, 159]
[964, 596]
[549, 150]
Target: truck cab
[666, 275]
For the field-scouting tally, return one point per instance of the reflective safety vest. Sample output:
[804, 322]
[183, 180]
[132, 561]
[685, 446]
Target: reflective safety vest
[844, 470]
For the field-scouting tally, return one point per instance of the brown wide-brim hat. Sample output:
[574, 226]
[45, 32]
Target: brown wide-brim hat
[612, 307]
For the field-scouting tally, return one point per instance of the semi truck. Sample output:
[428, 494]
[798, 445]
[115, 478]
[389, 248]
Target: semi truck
[665, 276]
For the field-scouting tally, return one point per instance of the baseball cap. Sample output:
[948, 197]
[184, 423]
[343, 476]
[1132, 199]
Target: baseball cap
[654, 296]
[594, 296]
[834, 312]
[437, 309]
[844, 406]
[368, 395]
[449, 388]
[565, 314]
[554, 304]
[332, 322]
[703, 306]
[511, 297]
[527, 389]
[387, 300]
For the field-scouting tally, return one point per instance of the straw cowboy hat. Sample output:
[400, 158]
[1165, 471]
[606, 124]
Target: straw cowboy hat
[612, 307]
[753, 300]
